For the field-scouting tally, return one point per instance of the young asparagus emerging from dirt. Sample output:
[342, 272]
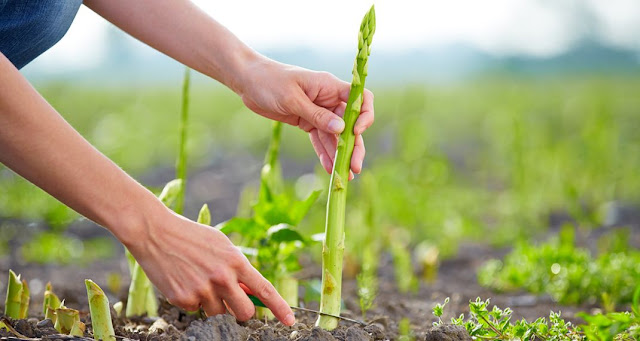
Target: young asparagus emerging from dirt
[333, 248]
[66, 319]
[24, 300]
[142, 297]
[50, 304]
[100, 312]
[14, 296]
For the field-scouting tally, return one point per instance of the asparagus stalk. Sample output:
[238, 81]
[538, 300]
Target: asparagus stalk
[66, 318]
[181, 166]
[139, 296]
[270, 175]
[288, 288]
[13, 300]
[333, 248]
[145, 301]
[24, 300]
[100, 312]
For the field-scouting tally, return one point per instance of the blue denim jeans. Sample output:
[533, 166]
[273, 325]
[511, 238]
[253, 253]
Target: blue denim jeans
[30, 27]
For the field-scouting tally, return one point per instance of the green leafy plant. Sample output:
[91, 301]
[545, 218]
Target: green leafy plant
[495, 324]
[333, 248]
[614, 325]
[568, 273]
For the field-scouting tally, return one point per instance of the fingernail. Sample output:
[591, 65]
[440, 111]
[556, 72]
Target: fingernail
[336, 126]
[360, 168]
[290, 320]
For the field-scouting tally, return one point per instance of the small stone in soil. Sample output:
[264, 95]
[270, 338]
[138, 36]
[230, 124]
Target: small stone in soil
[447, 332]
[376, 330]
[44, 328]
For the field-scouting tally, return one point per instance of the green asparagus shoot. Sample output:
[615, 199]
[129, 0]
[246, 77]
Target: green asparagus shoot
[333, 249]
[100, 312]
[13, 300]
[66, 318]
[139, 297]
[24, 300]
[204, 216]
[181, 166]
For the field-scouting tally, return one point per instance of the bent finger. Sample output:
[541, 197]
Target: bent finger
[330, 144]
[320, 117]
[325, 160]
[265, 291]
[357, 158]
[213, 306]
[239, 303]
[367, 115]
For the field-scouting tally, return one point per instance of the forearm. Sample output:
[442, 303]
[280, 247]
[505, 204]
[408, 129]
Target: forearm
[179, 29]
[37, 143]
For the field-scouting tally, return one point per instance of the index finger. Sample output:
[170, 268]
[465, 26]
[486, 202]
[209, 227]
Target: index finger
[261, 288]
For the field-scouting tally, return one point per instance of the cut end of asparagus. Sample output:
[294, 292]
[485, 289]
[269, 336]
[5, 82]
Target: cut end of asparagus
[13, 299]
[24, 300]
[100, 312]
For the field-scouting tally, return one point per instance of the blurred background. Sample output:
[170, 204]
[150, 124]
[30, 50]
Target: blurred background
[495, 120]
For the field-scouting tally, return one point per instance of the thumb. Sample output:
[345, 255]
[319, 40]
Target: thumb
[321, 118]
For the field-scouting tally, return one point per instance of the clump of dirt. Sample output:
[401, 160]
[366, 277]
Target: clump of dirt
[447, 332]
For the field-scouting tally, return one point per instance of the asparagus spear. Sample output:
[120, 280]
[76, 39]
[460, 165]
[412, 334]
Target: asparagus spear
[100, 312]
[333, 248]
[139, 295]
[66, 318]
[24, 300]
[181, 166]
[14, 296]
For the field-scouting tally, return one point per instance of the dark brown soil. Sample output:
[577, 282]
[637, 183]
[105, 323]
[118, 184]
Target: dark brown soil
[456, 279]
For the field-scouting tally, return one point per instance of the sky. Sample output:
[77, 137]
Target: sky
[539, 28]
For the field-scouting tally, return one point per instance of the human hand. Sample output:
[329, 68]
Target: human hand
[313, 101]
[195, 266]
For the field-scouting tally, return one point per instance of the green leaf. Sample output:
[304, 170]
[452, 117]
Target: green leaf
[283, 233]
[247, 227]
[299, 209]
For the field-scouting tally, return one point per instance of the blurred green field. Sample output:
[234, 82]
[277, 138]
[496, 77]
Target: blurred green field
[488, 159]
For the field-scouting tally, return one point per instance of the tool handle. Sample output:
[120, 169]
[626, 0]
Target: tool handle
[256, 301]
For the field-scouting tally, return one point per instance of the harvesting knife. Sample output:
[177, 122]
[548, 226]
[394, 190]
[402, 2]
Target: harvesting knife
[256, 301]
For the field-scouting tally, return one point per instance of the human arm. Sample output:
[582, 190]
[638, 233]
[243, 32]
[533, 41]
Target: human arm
[191, 264]
[300, 97]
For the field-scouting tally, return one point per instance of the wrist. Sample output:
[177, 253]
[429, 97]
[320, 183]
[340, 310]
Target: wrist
[246, 66]
[135, 219]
